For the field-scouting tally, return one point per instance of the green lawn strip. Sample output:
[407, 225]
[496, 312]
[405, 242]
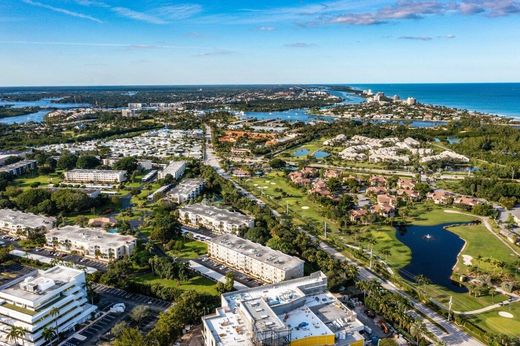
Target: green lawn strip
[461, 301]
[196, 283]
[495, 323]
[42, 180]
[437, 216]
[191, 249]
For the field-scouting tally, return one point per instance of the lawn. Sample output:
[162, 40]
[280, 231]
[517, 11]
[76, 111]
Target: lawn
[495, 323]
[481, 245]
[43, 180]
[426, 215]
[196, 283]
[190, 249]
[276, 190]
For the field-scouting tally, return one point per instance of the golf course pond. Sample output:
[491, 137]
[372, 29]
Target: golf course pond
[434, 253]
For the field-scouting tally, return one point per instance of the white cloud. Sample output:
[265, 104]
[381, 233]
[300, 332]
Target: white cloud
[62, 10]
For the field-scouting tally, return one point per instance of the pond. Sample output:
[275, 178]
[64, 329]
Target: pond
[301, 152]
[434, 254]
[453, 140]
[321, 154]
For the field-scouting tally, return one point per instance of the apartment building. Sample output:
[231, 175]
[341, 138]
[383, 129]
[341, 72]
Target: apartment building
[175, 169]
[91, 242]
[20, 167]
[213, 218]
[18, 223]
[99, 176]
[30, 301]
[253, 259]
[187, 190]
[296, 312]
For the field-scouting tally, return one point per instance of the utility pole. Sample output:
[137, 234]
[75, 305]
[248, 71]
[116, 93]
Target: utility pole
[325, 229]
[449, 308]
[371, 253]
[287, 207]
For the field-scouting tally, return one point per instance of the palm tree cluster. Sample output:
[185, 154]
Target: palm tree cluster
[392, 307]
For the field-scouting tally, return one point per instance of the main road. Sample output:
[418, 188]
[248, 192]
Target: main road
[451, 335]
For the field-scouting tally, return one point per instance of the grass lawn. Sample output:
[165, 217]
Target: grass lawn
[461, 301]
[495, 323]
[275, 190]
[26, 182]
[196, 283]
[482, 245]
[426, 215]
[190, 249]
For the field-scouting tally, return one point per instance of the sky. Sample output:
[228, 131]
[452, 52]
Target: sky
[128, 42]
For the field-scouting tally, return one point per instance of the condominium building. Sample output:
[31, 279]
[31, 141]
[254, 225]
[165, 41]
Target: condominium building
[95, 176]
[187, 190]
[53, 298]
[175, 169]
[20, 167]
[91, 242]
[18, 223]
[216, 219]
[296, 312]
[256, 260]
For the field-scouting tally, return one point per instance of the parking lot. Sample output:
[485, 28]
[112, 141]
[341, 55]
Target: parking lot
[222, 269]
[118, 295]
[80, 260]
[13, 271]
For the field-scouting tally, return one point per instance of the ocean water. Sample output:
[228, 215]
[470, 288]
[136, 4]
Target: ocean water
[494, 98]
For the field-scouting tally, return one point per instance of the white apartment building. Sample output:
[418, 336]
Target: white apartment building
[296, 312]
[187, 190]
[91, 242]
[256, 260]
[18, 223]
[29, 302]
[175, 169]
[95, 176]
[20, 167]
[216, 219]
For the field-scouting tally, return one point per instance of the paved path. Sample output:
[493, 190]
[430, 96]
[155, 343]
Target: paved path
[488, 308]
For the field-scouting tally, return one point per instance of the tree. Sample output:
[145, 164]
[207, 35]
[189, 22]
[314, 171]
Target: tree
[128, 164]
[67, 161]
[139, 313]
[68, 200]
[277, 163]
[49, 334]
[418, 329]
[118, 328]
[130, 337]
[15, 333]
[53, 313]
[334, 185]
[87, 162]
[165, 227]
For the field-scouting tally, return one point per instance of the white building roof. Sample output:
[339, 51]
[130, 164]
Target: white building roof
[26, 220]
[259, 252]
[90, 236]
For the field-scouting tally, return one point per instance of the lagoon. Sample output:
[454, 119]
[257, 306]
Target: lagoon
[434, 254]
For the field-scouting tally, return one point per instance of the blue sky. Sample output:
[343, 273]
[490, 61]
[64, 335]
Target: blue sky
[112, 42]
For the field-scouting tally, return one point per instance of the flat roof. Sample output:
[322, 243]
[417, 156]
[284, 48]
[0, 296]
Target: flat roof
[91, 236]
[186, 186]
[218, 213]
[16, 165]
[51, 279]
[99, 171]
[257, 251]
[17, 217]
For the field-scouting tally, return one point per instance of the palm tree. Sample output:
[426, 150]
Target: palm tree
[53, 313]
[15, 333]
[49, 334]
[417, 330]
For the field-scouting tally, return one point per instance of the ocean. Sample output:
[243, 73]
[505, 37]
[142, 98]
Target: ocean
[494, 98]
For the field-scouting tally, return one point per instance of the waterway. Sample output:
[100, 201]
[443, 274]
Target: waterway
[434, 254]
[46, 105]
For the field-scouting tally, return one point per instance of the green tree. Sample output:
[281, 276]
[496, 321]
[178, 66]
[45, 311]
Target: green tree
[87, 162]
[15, 333]
[128, 164]
[118, 328]
[49, 334]
[130, 337]
[139, 313]
[67, 161]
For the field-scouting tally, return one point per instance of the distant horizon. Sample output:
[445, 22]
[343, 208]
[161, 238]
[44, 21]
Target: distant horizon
[244, 84]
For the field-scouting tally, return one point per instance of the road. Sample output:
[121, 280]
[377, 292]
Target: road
[453, 336]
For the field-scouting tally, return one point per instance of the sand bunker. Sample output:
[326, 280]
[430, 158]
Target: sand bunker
[305, 207]
[467, 259]
[505, 314]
